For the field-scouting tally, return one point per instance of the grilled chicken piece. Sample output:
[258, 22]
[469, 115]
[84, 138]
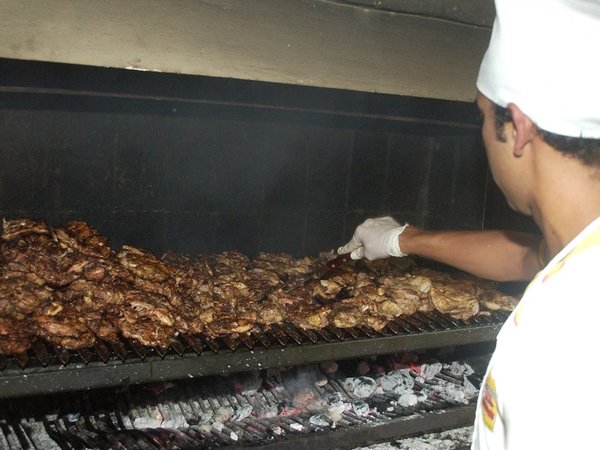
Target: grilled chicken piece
[390, 267]
[405, 298]
[143, 264]
[376, 322]
[387, 308]
[231, 316]
[266, 277]
[16, 336]
[21, 293]
[228, 326]
[328, 289]
[150, 274]
[268, 311]
[27, 297]
[300, 267]
[14, 229]
[309, 316]
[421, 283]
[497, 301]
[230, 262]
[349, 313]
[188, 316]
[147, 332]
[79, 236]
[63, 326]
[455, 294]
[458, 304]
[147, 318]
[141, 305]
[336, 287]
[95, 270]
[103, 296]
[102, 325]
[279, 263]
[230, 290]
[299, 307]
[260, 282]
[40, 255]
[97, 303]
[115, 272]
[187, 273]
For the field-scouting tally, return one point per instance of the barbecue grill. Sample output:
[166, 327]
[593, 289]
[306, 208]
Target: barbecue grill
[47, 369]
[256, 145]
[176, 416]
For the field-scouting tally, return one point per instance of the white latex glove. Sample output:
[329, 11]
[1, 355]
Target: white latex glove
[375, 239]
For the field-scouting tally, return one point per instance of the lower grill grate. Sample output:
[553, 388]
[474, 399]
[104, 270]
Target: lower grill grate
[189, 415]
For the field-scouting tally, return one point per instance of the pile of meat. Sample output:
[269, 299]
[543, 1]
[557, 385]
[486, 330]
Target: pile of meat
[67, 286]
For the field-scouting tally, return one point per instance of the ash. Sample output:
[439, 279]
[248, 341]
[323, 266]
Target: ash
[262, 406]
[456, 439]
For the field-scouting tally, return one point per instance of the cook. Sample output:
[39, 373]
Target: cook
[539, 95]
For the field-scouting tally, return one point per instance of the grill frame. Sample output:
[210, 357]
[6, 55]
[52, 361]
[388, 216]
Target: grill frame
[143, 365]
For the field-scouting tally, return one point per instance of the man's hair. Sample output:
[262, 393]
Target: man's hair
[586, 150]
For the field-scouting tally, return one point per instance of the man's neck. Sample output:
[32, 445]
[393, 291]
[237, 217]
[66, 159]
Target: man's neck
[567, 196]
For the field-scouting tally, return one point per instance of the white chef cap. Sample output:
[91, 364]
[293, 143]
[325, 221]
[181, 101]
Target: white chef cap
[544, 56]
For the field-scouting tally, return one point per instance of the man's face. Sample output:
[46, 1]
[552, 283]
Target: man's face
[504, 165]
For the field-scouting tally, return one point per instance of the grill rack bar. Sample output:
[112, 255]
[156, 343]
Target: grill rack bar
[108, 421]
[126, 362]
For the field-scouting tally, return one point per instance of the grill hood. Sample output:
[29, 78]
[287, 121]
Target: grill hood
[396, 47]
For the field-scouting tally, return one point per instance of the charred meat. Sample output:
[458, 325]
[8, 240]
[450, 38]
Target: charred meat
[68, 287]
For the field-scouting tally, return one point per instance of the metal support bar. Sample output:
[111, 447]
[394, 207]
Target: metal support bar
[78, 376]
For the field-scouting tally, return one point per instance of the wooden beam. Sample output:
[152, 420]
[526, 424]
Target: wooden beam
[305, 42]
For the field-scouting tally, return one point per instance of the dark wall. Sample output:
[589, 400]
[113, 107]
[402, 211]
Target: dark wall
[161, 175]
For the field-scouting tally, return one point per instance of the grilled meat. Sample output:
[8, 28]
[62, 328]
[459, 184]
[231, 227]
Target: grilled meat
[284, 265]
[228, 326]
[230, 262]
[16, 336]
[146, 332]
[68, 287]
[269, 311]
[143, 264]
[457, 303]
[14, 229]
[21, 293]
[497, 301]
[63, 326]
[349, 313]
[147, 318]
[81, 237]
[406, 297]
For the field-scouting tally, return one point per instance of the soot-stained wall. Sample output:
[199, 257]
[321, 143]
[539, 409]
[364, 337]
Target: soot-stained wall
[294, 176]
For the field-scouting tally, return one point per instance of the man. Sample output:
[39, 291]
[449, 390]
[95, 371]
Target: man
[539, 94]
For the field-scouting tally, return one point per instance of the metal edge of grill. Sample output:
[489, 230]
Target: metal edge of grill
[47, 369]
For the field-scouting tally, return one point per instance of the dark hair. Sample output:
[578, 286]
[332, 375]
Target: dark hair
[501, 115]
[586, 150]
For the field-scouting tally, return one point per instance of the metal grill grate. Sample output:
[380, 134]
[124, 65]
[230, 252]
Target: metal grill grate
[47, 369]
[124, 420]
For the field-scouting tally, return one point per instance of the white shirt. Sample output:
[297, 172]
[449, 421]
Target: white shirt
[541, 387]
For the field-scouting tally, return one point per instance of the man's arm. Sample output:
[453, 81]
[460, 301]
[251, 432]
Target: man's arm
[495, 255]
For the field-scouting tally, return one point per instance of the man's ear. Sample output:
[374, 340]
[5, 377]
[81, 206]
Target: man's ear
[523, 129]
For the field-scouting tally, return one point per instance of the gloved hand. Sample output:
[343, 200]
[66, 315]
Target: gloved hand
[375, 239]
